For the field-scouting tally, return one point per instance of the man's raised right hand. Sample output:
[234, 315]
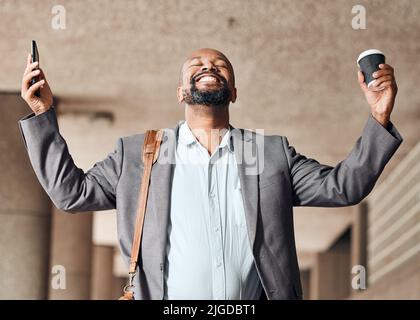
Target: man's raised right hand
[37, 104]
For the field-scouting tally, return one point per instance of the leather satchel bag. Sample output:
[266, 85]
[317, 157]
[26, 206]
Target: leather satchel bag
[151, 147]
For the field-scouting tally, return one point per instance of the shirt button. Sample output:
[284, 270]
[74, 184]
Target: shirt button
[219, 264]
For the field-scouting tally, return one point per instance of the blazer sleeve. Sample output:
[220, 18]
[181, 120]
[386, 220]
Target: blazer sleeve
[69, 187]
[350, 181]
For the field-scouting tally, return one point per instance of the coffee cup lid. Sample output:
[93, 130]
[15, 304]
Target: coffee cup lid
[369, 52]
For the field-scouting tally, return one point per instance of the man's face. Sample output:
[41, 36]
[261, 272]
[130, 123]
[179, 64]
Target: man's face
[207, 79]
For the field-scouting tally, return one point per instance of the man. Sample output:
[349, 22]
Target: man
[213, 229]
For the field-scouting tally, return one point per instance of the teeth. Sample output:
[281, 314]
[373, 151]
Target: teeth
[208, 79]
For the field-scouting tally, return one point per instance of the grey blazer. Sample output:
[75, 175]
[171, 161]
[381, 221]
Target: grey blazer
[284, 179]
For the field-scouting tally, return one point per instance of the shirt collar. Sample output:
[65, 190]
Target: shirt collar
[186, 137]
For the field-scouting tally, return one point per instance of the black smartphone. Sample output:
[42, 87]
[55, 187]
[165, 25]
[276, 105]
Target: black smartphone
[35, 57]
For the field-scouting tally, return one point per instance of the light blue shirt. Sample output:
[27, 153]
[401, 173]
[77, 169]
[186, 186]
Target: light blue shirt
[209, 255]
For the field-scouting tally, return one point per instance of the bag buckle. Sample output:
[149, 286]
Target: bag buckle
[129, 287]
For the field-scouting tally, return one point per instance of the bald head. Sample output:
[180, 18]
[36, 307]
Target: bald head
[207, 53]
[211, 62]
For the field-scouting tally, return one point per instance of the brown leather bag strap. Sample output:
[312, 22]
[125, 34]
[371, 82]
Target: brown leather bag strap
[151, 147]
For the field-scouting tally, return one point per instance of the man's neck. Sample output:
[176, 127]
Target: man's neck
[207, 124]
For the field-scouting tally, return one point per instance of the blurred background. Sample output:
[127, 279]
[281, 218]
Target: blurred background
[113, 67]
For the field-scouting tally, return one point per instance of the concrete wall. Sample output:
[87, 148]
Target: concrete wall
[394, 233]
[25, 212]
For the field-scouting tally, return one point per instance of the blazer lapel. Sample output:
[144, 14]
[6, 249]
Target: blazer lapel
[243, 144]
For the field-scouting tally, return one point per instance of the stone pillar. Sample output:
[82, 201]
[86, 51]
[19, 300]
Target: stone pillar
[71, 247]
[25, 212]
[102, 273]
[359, 235]
[305, 277]
[359, 243]
[330, 275]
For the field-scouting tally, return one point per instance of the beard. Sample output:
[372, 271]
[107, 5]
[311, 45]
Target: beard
[218, 97]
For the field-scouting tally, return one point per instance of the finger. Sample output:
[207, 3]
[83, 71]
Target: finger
[30, 67]
[32, 89]
[361, 80]
[26, 81]
[45, 89]
[381, 73]
[28, 62]
[30, 75]
[380, 80]
[384, 66]
[42, 77]
[360, 77]
[42, 74]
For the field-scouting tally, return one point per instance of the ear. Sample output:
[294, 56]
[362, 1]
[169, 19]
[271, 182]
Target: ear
[180, 94]
[233, 98]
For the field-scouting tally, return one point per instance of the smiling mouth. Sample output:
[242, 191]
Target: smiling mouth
[207, 79]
